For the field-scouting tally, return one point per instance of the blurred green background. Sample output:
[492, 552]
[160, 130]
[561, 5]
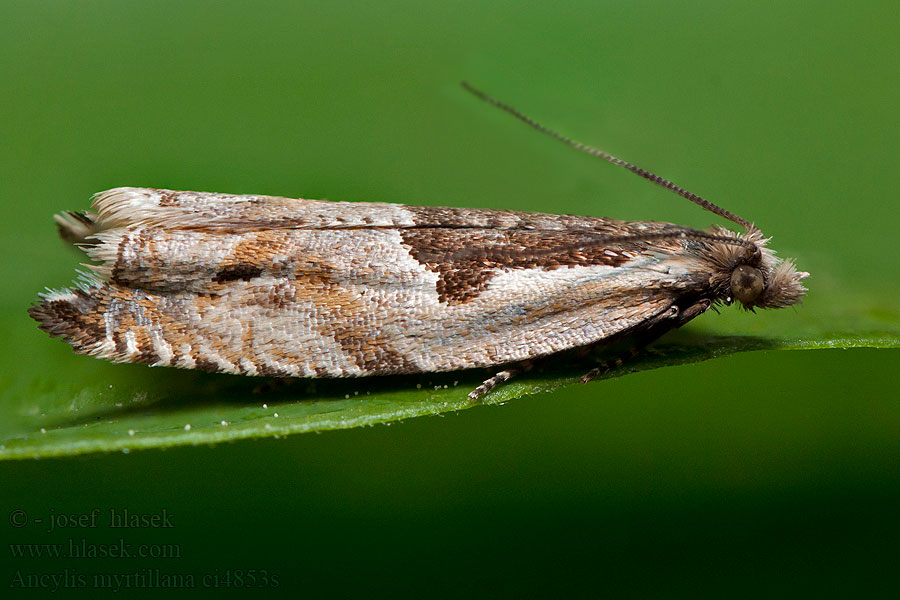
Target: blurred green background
[768, 473]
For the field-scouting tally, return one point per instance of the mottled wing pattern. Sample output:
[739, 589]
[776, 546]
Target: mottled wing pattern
[275, 286]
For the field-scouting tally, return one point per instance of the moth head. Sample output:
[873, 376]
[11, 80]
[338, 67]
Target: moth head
[754, 276]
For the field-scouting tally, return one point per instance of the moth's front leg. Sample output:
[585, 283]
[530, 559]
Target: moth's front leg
[694, 310]
[673, 319]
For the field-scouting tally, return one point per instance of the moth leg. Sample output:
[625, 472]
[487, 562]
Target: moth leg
[694, 310]
[609, 365]
[499, 378]
[675, 319]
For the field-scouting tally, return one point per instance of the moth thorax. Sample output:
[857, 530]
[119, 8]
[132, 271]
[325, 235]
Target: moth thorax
[747, 283]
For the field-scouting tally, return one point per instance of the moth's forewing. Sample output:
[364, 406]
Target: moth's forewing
[275, 286]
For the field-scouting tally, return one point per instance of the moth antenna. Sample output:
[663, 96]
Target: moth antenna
[610, 158]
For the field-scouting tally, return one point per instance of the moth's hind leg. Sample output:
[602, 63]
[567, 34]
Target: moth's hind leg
[504, 375]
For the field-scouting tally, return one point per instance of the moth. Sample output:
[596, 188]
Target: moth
[279, 287]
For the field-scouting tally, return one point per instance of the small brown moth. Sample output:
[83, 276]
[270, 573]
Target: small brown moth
[271, 286]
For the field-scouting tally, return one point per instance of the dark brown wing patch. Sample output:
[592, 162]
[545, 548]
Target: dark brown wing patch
[466, 259]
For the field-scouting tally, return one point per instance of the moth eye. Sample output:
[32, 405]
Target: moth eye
[746, 283]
